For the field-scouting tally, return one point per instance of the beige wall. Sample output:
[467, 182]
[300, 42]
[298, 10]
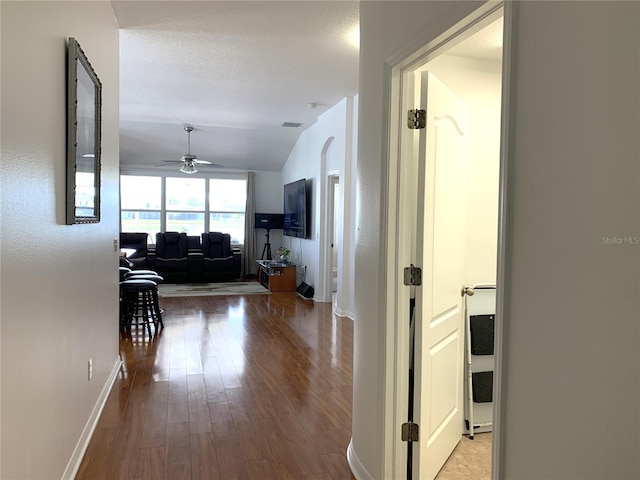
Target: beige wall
[59, 304]
[571, 391]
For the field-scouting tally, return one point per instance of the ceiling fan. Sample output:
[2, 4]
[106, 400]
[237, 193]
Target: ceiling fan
[189, 161]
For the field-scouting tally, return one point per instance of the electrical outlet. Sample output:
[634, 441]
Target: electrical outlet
[90, 368]
[115, 244]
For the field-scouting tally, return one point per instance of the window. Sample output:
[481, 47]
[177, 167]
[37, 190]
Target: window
[227, 201]
[85, 194]
[140, 204]
[185, 205]
[190, 205]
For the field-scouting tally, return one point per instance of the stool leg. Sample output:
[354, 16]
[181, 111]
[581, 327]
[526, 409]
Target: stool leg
[126, 311]
[154, 309]
[148, 315]
[156, 306]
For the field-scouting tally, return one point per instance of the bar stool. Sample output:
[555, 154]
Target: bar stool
[139, 304]
[155, 278]
[136, 273]
[123, 272]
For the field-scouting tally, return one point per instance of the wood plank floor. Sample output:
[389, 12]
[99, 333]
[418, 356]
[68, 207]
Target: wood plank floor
[234, 387]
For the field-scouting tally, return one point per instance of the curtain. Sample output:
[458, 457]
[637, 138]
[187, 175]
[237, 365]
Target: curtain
[249, 258]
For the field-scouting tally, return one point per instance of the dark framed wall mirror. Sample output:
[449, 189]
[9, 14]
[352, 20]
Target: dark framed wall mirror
[84, 117]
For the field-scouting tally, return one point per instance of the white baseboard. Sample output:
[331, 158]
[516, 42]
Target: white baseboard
[357, 469]
[344, 313]
[83, 442]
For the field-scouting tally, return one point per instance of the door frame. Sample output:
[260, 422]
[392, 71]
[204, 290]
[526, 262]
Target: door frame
[332, 178]
[401, 145]
[321, 294]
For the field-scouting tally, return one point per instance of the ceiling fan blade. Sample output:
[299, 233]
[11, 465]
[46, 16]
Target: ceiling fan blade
[209, 164]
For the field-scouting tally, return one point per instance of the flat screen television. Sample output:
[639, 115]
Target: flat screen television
[295, 209]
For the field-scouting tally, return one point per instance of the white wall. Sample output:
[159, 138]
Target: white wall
[478, 83]
[59, 303]
[268, 200]
[349, 218]
[326, 146]
[385, 28]
[344, 302]
[571, 391]
[305, 161]
[572, 309]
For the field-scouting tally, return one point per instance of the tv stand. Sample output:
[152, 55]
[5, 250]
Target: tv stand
[277, 276]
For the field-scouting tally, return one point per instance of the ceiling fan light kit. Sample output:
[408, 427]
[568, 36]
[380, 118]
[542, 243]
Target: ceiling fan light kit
[188, 168]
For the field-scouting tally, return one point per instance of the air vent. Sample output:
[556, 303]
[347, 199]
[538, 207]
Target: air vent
[291, 124]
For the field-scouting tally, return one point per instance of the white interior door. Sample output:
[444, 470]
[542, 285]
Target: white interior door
[440, 252]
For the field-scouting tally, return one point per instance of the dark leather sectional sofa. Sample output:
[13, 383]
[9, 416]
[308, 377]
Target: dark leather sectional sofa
[182, 258]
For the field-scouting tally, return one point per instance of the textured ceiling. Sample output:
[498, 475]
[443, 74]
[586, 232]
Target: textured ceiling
[235, 71]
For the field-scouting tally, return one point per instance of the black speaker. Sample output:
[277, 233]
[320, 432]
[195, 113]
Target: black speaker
[305, 290]
[270, 221]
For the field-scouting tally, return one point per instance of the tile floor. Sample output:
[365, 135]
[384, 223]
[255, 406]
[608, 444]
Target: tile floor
[471, 460]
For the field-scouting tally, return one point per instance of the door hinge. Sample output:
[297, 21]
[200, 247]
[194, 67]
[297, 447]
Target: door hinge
[417, 119]
[410, 432]
[413, 276]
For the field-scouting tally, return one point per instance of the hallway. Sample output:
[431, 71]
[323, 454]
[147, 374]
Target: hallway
[252, 387]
